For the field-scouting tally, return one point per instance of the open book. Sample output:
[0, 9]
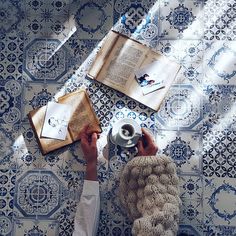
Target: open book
[118, 60]
[82, 114]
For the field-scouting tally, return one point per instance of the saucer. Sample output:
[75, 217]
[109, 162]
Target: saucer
[125, 143]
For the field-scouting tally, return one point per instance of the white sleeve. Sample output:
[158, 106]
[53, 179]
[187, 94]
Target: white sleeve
[88, 209]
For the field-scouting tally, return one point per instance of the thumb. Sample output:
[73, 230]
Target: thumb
[94, 138]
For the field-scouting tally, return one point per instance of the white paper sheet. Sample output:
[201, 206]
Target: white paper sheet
[149, 77]
[56, 121]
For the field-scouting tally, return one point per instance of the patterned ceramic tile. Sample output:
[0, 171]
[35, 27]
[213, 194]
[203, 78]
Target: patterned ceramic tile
[35, 227]
[189, 230]
[182, 51]
[181, 19]
[218, 201]
[56, 28]
[219, 153]
[220, 230]
[11, 56]
[46, 49]
[181, 109]
[11, 15]
[92, 19]
[191, 212]
[184, 148]
[191, 187]
[43, 197]
[7, 186]
[138, 19]
[190, 73]
[219, 109]
[38, 94]
[10, 97]
[6, 224]
[7, 148]
[45, 60]
[219, 63]
[219, 20]
[128, 108]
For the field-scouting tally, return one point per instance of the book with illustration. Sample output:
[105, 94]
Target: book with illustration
[125, 65]
[59, 123]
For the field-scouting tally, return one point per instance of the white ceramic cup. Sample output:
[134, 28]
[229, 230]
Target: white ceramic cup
[126, 132]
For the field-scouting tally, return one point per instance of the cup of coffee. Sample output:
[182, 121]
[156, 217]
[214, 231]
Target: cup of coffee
[126, 132]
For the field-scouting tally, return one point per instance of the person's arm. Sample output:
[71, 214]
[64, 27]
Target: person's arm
[87, 213]
[149, 190]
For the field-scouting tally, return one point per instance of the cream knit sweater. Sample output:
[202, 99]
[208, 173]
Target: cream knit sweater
[149, 191]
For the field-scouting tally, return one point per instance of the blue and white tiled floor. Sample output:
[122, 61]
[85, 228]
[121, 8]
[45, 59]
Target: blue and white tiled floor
[46, 47]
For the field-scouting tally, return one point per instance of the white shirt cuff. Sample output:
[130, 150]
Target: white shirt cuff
[90, 187]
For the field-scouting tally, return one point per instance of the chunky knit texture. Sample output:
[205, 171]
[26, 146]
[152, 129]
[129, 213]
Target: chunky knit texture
[149, 191]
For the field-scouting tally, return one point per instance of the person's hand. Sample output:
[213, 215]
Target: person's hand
[89, 145]
[89, 148]
[146, 145]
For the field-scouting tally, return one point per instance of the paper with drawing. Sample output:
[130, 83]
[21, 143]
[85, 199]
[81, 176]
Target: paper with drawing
[149, 77]
[56, 121]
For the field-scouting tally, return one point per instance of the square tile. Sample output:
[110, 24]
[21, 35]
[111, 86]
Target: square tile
[181, 19]
[184, 148]
[191, 187]
[181, 109]
[138, 20]
[97, 18]
[82, 52]
[219, 107]
[219, 63]
[219, 201]
[219, 153]
[190, 73]
[38, 194]
[45, 60]
[219, 20]
[11, 16]
[191, 212]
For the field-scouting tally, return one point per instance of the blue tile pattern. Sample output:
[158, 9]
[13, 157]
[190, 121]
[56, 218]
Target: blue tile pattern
[46, 48]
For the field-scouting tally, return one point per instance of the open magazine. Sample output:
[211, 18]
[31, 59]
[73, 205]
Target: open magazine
[121, 57]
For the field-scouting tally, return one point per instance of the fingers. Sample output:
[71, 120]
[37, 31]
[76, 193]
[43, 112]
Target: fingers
[140, 146]
[94, 139]
[147, 136]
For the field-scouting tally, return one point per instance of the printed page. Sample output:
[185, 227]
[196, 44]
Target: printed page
[82, 113]
[103, 53]
[126, 56]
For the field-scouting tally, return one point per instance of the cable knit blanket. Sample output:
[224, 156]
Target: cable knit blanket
[149, 190]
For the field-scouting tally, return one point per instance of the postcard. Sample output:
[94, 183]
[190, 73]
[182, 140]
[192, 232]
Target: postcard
[56, 121]
[148, 77]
